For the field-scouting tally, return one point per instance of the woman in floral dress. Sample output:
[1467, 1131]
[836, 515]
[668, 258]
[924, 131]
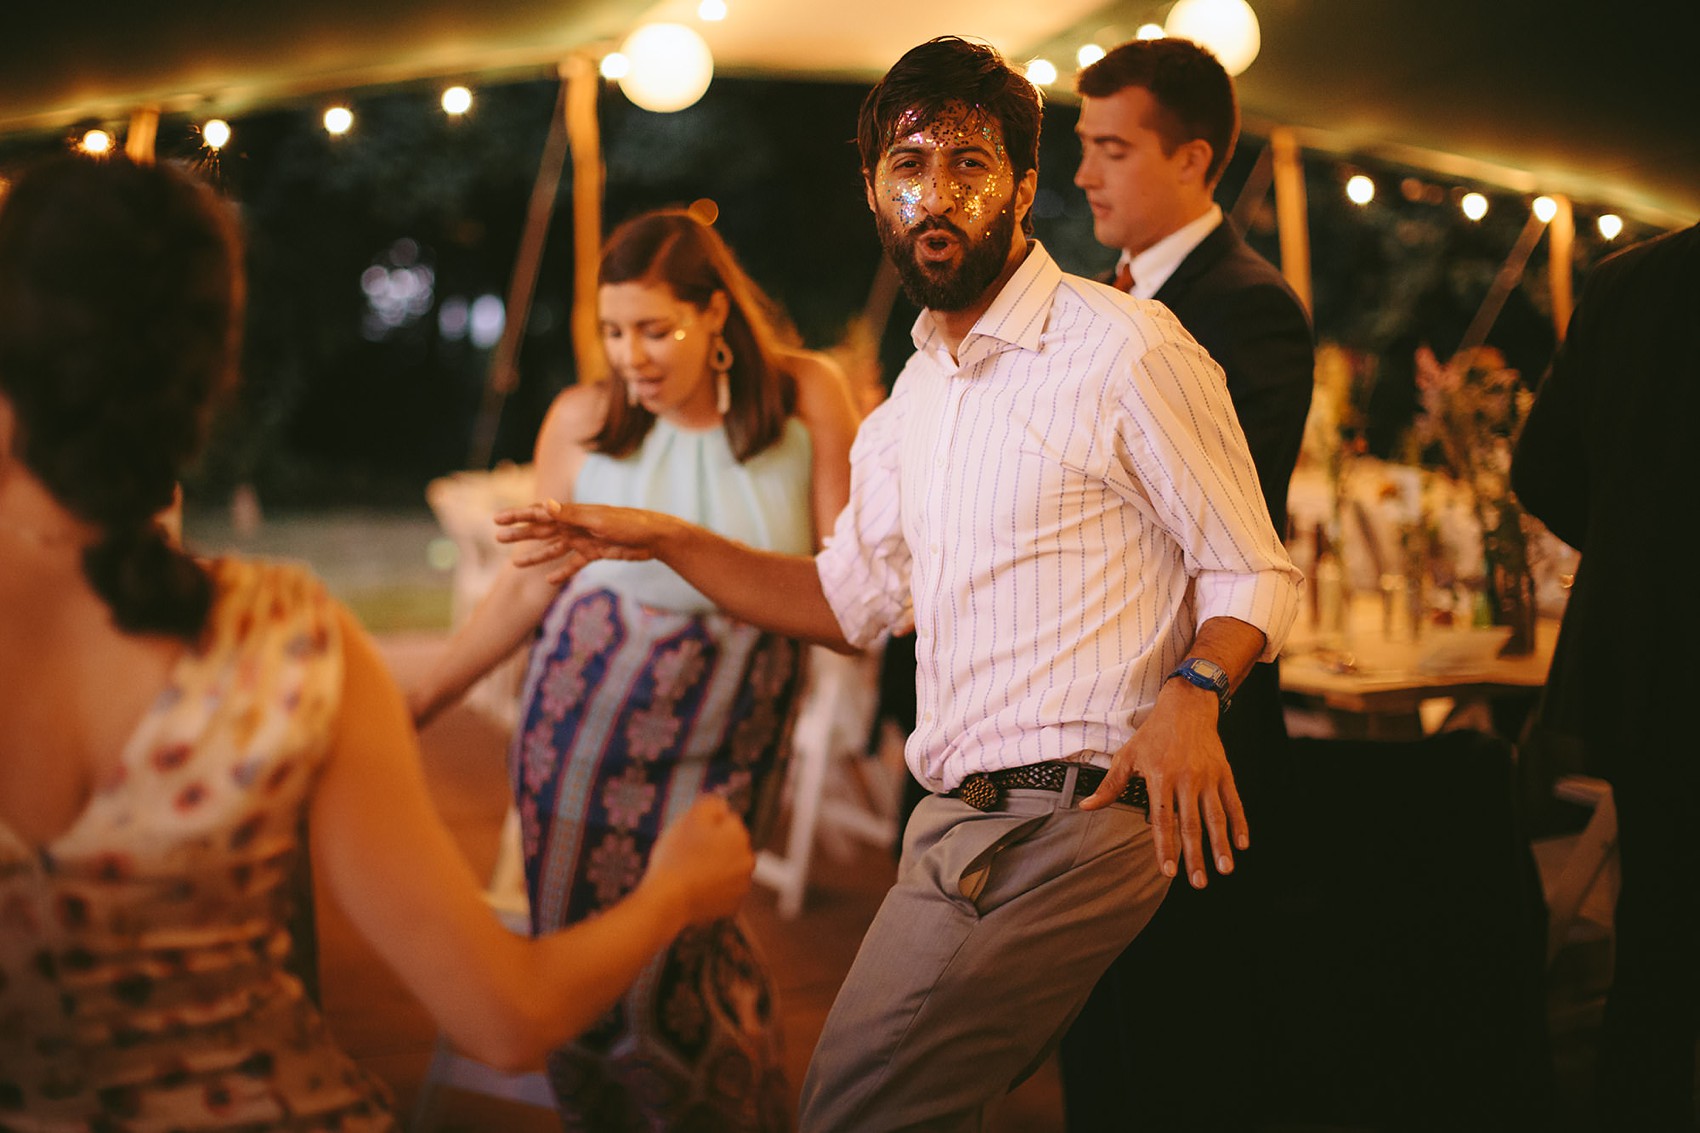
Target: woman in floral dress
[166, 724]
[640, 696]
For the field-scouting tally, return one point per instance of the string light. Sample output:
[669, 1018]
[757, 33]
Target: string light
[615, 66]
[1150, 31]
[713, 11]
[1227, 27]
[1088, 54]
[338, 120]
[1545, 209]
[1360, 190]
[1475, 205]
[457, 100]
[215, 133]
[96, 142]
[670, 69]
[1041, 72]
[1610, 225]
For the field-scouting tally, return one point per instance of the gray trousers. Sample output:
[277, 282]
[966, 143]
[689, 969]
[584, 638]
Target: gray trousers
[997, 928]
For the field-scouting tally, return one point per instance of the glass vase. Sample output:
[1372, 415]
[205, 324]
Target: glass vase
[1509, 584]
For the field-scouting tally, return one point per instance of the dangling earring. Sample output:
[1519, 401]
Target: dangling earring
[720, 361]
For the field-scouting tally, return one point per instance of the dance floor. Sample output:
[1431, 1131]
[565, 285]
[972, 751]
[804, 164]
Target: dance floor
[464, 756]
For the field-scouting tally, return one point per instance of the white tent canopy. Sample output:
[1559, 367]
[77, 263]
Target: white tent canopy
[1538, 95]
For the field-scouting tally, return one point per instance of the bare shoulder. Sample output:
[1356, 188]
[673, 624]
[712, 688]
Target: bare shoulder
[575, 415]
[823, 389]
[563, 443]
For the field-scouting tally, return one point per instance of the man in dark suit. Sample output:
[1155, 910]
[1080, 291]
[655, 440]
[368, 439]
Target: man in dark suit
[1158, 122]
[1607, 462]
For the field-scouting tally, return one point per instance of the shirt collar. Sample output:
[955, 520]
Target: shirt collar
[1018, 311]
[1153, 267]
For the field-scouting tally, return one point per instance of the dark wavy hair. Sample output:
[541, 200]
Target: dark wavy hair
[949, 69]
[120, 303]
[673, 248]
[1194, 94]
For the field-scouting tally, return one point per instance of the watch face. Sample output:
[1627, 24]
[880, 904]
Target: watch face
[1210, 671]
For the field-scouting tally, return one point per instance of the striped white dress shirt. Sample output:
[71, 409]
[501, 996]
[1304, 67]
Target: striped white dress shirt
[1065, 503]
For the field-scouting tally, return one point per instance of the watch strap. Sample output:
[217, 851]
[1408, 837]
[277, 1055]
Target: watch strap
[1206, 675]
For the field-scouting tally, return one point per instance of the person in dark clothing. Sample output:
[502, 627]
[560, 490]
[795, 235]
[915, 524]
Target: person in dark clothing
[1606, 461]
[1158, 123]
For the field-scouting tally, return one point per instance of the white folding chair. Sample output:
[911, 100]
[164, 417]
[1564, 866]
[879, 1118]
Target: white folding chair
[1592, 861]
[464, 504]
[829, 801]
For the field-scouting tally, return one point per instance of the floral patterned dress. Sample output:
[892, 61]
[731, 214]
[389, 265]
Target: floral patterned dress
[143, 976]
[638, 698]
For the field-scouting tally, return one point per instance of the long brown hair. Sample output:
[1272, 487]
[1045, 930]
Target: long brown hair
[674, 248]
[120, 303]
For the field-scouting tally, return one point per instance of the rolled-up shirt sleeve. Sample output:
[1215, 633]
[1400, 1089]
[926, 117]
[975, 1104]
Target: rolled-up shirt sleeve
[1185, 453]
[864, 565]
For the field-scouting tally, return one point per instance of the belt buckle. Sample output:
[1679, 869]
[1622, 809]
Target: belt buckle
[979, 792]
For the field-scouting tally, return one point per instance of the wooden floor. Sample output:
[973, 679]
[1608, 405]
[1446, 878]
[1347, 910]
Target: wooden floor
[464, 752]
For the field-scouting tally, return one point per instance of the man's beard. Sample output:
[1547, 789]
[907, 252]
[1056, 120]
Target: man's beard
[943, 287]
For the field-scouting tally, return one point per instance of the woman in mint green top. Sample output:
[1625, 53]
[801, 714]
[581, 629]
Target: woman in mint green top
[764, 501]
[640, 695]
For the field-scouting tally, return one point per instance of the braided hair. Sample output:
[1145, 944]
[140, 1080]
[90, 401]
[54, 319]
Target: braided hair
[120, 303]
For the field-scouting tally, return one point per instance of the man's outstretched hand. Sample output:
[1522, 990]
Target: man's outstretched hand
[572, 535]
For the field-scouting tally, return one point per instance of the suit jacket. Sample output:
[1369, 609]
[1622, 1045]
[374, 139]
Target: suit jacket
[1606, 460]
[1241, 310]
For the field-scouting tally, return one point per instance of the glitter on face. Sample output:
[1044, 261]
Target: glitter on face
[945, 205]
[958, 156]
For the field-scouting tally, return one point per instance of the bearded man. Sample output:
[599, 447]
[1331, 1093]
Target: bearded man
[1059, 483]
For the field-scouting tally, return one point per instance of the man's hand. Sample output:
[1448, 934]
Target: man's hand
[1179, 755]
[573, 535]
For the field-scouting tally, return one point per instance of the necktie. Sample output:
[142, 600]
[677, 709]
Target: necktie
[1124, 277]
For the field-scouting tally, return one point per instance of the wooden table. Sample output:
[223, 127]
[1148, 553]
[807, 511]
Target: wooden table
[1374, 685]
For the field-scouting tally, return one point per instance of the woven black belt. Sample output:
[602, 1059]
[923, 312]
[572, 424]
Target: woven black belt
[983, 790]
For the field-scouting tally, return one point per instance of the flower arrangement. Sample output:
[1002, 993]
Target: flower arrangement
[1471, 410]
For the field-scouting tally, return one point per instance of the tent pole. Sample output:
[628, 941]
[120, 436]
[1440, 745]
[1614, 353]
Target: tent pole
[1504, 282]
[583, 85]
[1256, 187]
[1292, 219]
[1561, 240]
[503, 374]
[139, 141]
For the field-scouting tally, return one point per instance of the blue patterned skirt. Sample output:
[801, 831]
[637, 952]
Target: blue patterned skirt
[628, 714]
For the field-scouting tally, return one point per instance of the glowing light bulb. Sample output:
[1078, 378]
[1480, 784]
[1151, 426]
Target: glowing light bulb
[215, 133]
[1227, 27]
[615, 66]
[671, 67]
[1360, 190]
[1545, 209]
[1610, 225]
[1475, 205]
[712, 11]
[1150, 31]
[1041, 72]
[96, 142]
[1088, 54]
[457, 100]
[338, 119]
